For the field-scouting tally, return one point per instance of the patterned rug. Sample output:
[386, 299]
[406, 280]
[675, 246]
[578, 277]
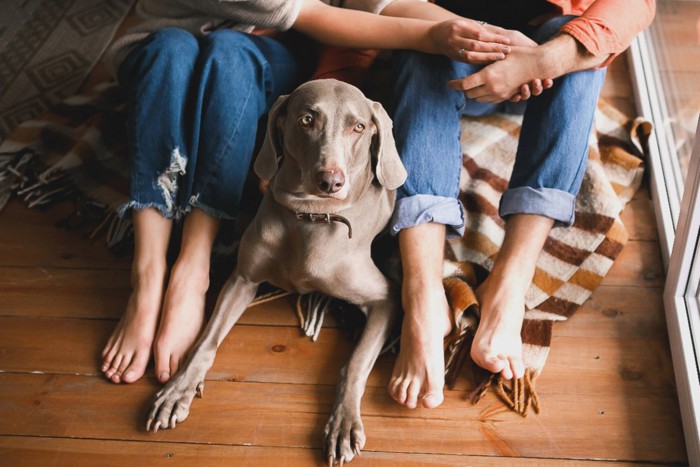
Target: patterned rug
[47, 48]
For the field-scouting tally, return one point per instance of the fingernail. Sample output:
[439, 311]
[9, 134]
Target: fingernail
[506, 50]
[164, 376]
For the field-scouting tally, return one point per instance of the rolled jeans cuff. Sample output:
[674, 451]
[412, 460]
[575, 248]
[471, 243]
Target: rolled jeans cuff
[421, 209]
[549, 202]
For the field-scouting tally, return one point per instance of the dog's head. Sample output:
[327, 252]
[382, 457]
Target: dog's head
[333, 136]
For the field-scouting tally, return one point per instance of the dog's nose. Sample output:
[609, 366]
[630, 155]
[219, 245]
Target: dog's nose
[330, 181]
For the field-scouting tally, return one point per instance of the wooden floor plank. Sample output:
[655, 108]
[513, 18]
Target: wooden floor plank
[639, 264]
[33, 451]
[638, 217]
[99, 294]
[636, 428]
[281, 355]
[29, 237]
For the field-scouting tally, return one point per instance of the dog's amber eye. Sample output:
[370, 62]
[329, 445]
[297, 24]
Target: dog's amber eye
[307, 121]
[360, 127]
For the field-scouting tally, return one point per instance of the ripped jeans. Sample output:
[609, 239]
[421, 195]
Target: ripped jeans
[552, 151]
[194, 105]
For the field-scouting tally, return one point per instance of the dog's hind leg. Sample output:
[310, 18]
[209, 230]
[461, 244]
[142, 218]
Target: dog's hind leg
[172, 404]
[344, 433]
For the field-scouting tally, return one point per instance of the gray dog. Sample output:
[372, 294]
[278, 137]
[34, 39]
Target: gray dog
[334, 169]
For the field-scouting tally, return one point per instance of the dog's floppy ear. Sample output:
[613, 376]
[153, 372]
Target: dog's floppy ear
[266, 163]
[389, 170]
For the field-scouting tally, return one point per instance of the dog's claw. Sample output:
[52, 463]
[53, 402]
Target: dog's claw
[156, 426]
[330, 461]
[148, 424]
[342, 460]
[356, 449]
[173, 421]
[200, 390]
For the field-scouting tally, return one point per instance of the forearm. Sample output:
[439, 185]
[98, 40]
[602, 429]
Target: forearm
[416, 9]
[564, 54]
[358, 29]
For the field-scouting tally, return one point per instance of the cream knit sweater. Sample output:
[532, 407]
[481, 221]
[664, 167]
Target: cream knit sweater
[201, 17]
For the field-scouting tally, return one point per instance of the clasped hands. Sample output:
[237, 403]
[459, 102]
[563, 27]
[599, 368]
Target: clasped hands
[512, 72]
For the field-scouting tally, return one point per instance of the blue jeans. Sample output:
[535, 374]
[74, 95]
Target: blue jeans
[194, 105]
[552, 151]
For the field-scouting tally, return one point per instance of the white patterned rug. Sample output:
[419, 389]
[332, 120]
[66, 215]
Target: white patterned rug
[47, 48]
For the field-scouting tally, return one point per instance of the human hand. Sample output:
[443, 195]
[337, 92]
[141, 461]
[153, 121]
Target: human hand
[516, 38]
[535, 88]
[469, 41]
[517, 77]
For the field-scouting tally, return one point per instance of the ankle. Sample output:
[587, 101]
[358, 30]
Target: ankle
[191, 274]
[146, 275]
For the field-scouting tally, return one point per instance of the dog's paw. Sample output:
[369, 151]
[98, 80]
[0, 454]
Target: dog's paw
[172, 404]
[344, 437]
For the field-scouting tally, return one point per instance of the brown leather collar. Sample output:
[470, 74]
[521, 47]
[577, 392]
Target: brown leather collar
[323, 217]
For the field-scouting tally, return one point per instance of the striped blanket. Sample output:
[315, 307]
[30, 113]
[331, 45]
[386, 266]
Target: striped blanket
[574, 260]
[76, 151]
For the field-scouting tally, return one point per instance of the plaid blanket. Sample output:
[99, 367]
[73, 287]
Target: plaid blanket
[574, 260]
[77, 151]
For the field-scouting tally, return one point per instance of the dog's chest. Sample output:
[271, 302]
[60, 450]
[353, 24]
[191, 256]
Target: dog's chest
[312, 256]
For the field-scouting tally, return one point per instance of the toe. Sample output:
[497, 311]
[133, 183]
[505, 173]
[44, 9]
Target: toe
[506, 371]
[136, 368]
[432, 400]
[162, 360]
[112, 370]
[412, 394]
[517, 367]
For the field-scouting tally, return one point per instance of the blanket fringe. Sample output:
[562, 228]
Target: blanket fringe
[19, 176]
[520, 395]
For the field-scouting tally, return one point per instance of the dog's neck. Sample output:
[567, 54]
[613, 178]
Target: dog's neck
[323, 218]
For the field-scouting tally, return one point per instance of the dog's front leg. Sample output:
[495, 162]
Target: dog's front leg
[172, 404]
[344, 433]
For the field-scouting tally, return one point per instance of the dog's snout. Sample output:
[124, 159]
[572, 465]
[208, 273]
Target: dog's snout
[330, 181]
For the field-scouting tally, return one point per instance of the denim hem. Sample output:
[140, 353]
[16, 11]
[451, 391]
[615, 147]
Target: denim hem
[421, 209]
[212, 212]
[549, 202]
[123, 210]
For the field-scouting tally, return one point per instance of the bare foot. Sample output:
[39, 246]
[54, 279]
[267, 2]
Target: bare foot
[182, 317]
[497, 345]
[419, 371]
[128, 349]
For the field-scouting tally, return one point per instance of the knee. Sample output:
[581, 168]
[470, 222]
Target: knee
[162, 53]
[235, 50]
[172, 43]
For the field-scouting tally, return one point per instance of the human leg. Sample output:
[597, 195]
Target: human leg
[549, 166]
[427, 131]
[157, 152]
[238, 78]
[127, 352]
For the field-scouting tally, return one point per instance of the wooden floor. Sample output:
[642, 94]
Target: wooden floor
[607, 391]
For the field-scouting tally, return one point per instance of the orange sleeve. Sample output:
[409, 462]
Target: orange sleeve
[609, 26]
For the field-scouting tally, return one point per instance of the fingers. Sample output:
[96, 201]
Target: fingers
[525, 91]
[482, 33]
[470, 56]
[472, 43]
